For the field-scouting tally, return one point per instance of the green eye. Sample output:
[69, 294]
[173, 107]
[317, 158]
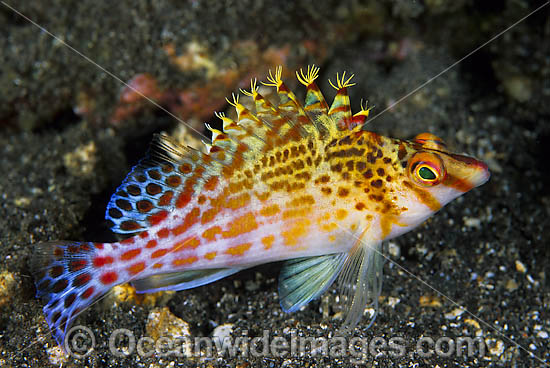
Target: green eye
[426, 173]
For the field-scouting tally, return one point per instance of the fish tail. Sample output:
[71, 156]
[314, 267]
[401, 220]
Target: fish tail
[67, 280]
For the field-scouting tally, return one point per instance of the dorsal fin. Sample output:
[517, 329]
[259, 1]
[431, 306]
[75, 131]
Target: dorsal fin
[360, 117]
[340, 110]
[165, 179]
[269, 114]
[315, 103]
[256, 129]
[170, 175]
[291, 108]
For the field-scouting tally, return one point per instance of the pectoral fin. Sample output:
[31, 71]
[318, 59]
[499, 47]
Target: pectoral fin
[360, 283]
[359, 274]
[304, 279]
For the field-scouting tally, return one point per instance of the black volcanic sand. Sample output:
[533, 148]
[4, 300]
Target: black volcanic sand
[486, 252]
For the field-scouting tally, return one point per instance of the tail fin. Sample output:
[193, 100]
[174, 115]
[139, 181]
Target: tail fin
[65, 278]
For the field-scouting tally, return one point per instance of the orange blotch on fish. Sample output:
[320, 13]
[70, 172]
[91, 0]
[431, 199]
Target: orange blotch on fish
[302, 201]
[143, 234]
[159, 253]
[189, 243]
[238, 250]
[298, 230]
[329, 227]
[211, 183]
[108, 277]
[136, 268]
[267, 241]
[270, 210]
[210, 234]
[209, 215]
[296, 212]
[237, 202]
[262, 196]
[131, 254]
[323, 217]
[184, 261]
[210, 255]
[341, 214]
[151, 243]
[190, 219]
[157, 265]
[241, 225]
[424, 196]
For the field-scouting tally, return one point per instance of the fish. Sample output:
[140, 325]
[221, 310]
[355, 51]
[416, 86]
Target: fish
[303, 183]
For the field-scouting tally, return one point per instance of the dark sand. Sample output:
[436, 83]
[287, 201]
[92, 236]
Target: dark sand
[486, 252]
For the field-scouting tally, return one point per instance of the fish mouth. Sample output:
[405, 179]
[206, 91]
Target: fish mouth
[481, 174]
[479, 171]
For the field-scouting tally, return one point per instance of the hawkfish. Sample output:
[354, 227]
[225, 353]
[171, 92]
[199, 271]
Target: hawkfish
[302, 183]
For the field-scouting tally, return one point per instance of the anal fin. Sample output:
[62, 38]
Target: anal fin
[181, 280]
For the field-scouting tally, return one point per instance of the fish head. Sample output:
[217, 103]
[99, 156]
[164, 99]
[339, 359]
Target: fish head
[433, 176]
[411, 180]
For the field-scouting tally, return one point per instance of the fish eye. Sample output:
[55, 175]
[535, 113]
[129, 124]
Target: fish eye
[426, 169]
[426, 173]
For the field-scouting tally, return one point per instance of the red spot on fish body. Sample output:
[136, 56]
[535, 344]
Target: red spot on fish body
[102, 261]
[108, 277]
[155, 218]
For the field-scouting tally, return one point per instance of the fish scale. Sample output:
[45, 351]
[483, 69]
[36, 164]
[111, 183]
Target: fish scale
[306, 184]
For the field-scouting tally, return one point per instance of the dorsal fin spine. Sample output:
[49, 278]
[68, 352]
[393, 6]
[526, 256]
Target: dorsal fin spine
[340, 109]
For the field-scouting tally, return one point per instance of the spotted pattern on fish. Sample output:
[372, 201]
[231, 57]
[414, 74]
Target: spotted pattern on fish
[307, 184]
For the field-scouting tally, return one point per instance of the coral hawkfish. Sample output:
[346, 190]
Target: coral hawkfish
[301, 182]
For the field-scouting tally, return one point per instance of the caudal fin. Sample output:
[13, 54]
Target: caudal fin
[67, 282]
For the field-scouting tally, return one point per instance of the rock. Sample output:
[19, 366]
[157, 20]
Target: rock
[82, 160]
[223, 331]
[161, 323]
[7, 287]
[430, 301]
